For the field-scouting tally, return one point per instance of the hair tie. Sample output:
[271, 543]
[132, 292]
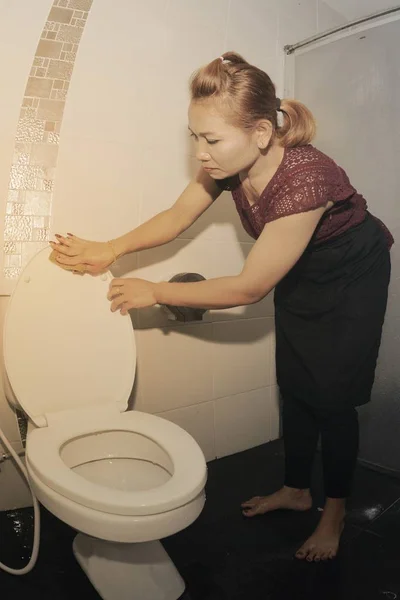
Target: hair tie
[278, 104]
[224, 60]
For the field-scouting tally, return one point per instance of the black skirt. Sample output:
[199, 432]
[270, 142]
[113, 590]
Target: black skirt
[329, 313]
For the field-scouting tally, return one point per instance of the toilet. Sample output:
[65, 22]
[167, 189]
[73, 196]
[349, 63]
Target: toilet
[123, 479]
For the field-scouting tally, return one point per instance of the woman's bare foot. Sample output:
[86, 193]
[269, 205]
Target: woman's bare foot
[288, 498]
[324, 542]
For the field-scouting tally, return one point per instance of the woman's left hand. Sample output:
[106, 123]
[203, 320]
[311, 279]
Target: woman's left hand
[131, 293]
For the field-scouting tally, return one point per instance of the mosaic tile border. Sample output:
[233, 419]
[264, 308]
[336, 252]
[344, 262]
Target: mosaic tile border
[33, 169]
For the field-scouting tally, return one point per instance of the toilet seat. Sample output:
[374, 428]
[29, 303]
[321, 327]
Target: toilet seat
[63, 347]
[187, 480]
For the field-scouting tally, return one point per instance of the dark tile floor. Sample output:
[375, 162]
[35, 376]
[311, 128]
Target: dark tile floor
[224, 556]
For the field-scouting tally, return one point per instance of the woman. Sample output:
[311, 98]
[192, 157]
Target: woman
[325, 255]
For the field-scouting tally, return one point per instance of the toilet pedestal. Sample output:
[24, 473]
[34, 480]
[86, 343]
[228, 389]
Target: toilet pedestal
[117, 571]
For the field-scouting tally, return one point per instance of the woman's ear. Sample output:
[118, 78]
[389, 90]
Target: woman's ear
[263, 133]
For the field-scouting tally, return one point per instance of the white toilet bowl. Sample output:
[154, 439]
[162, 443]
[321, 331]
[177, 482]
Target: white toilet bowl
[123, 479]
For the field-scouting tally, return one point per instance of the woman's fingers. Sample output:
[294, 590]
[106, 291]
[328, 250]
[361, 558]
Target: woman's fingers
[63, 259]
[70, 246]
[75, 238]
[66, 241]
[118, 302]
[115, 291]
[70, 241]
[64, 250]
[116, 296]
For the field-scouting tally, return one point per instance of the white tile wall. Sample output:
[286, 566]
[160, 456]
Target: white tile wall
[197, 420]
[186, 373]
[98, 187]
[112, 76]
[220, 223]
[23, 21]
[174, 367]
[297, 20]
[241, 356]
[242, 421]
[261, 19]
[328, 17]
[15, 492]
[8, 423]
[198, 34]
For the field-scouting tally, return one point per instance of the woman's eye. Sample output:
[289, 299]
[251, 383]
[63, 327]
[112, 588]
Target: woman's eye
[211, 142]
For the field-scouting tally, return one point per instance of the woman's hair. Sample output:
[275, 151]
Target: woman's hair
[249, 94]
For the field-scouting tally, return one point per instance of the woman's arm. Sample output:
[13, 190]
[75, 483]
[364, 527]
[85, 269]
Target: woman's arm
[163, 228]
[276, 251]
[167, 225]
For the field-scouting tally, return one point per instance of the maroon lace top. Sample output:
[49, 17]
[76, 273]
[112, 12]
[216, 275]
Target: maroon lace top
[305, 180]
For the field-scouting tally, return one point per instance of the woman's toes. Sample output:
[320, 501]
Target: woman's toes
[310, 557]
[301, 554]
[250, 512]
[250, 503]
[317, 557]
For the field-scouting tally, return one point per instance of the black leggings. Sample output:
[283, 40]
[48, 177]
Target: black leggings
[302, 425]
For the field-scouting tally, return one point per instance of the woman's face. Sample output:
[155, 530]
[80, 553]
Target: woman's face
[222, 149]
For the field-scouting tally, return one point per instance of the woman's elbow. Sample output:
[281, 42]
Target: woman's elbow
[255, 293]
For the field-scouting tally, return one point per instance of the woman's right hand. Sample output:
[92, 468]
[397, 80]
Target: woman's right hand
[72, 250]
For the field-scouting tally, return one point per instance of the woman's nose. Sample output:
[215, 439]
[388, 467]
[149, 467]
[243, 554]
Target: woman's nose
[202, 156]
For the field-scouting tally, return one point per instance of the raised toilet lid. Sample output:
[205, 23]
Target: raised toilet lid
[63, 347]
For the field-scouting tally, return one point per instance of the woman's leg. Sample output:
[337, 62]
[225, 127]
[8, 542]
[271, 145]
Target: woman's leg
[300, 434]
[339, 443]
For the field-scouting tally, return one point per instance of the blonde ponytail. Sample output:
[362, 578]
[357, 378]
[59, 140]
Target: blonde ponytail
[299, 125]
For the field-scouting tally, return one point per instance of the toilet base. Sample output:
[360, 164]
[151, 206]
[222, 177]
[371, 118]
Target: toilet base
[117, 571]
